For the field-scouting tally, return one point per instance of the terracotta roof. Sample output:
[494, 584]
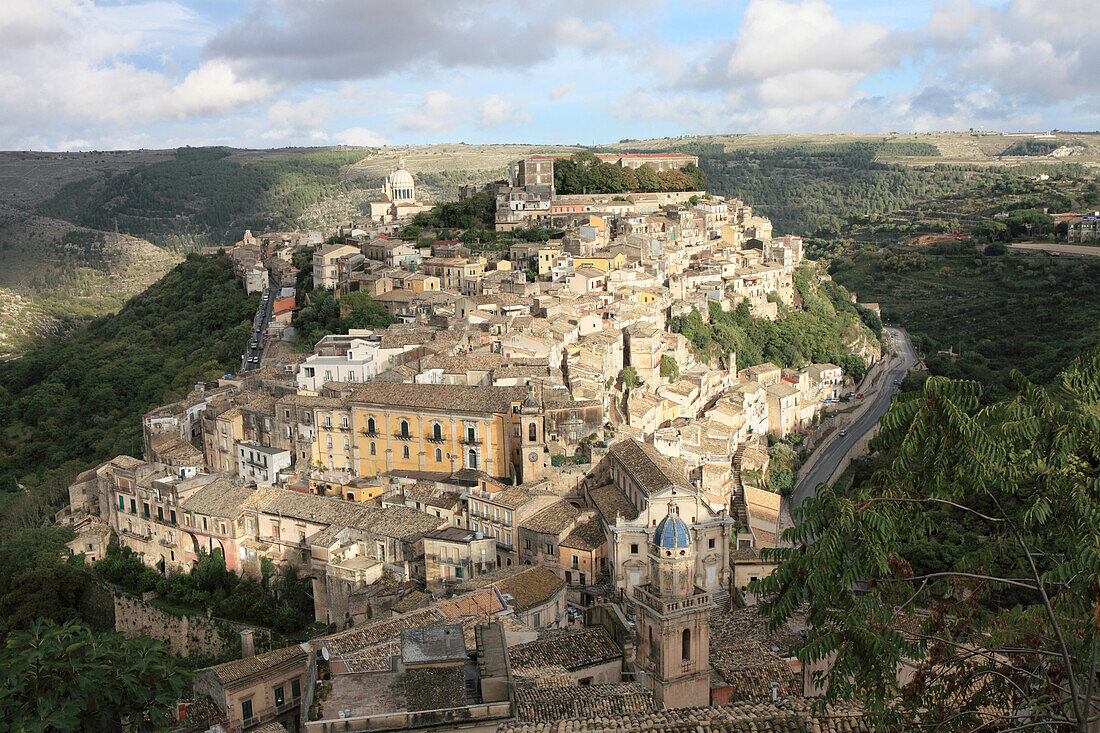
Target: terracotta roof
[586, 536]
[650, 469]
[575, 650]
[439, 396]
[231, 672]
[399, 522]
[435, 688]
[612, 502]
[548, 704]
[523, 588]
[749, 657]
[222, 497]
[784, 716]
[553, 519]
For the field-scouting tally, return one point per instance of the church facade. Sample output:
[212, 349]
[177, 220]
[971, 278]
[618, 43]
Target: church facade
[398, 198]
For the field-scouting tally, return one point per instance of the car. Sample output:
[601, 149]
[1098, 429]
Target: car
[843, 433]
[897, 381]
[859, 396]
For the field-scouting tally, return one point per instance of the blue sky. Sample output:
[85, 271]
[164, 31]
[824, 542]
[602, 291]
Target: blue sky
[102, 74]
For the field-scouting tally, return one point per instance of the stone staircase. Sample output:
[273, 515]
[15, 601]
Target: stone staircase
[720, 601]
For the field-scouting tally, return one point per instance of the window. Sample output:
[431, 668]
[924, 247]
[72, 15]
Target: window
[331, 467]
[122, 503]
[438, 455]
[172, 515]
[471, 434]
[507, 516]
[585, 682]
[344, 421]
[329, 442]
[328, 421]
[686, 645]
[373, 449]
[532, 434]
[347, 445]
[204, 524]
[710, 543]
[405, 430]
[133, 506]
[527, 544]
[280, 696]
[549, 549]
[473, 458]
[404, 451]
[275, 530]
[246, 709]
[437, 432]
[575, 561]
[634, 549]
[160, 513]
[569, 577]
[295, 689]
[371, 426]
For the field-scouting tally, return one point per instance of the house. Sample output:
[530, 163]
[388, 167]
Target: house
[259, 690]
[452, 555]
[535, 594]
[589, 656]
[326, 264]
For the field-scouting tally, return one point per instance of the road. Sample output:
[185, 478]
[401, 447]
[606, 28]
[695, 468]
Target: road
[1065, 249]
[259, 329]
[828, 457]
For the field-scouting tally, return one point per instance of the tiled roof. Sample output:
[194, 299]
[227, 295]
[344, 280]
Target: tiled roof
[547, 704]
[435, 688]
[671, 532]
[231, 672]
[784, 716]
[612, 502]
[586, 536]
[553, 519]
[398, 522]
[749, 657]
[439, 396]
[575, 650]
[650, 469]
[528, 587]
[222, 497]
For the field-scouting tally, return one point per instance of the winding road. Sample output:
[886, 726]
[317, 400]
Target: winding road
[828, 457]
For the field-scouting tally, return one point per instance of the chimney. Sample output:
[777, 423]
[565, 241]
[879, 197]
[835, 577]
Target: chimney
[248, 646]
[775, 691]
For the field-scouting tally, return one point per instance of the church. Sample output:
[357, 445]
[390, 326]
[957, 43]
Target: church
[398, 198]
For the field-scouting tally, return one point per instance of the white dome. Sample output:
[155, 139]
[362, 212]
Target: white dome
[400, 178]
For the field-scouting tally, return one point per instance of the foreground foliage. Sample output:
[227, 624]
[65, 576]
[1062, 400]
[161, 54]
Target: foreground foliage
[69, 678]
[959, 588]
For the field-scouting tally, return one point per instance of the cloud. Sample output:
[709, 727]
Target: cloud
[439, 112]
[495, 111]
[359, 137]
[331, 40]
[564, 89]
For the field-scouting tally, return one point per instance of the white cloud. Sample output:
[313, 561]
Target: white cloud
[495, 111]
[359, 137]
[563, 89]
[440, 111]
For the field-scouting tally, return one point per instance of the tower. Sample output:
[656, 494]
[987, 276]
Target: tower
[673, 620]
[534, 455]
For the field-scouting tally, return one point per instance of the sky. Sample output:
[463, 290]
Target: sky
[106, 74]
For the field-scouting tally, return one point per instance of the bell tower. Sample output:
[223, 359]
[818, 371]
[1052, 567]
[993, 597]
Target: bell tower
[674, 620]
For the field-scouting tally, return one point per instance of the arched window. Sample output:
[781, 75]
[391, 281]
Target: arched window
[473, 458]
[438, 455]
[532, 435]
[373, 449]
[686, 644]
[405, 451]
[437, 432]
[405, 430]
[371, 428]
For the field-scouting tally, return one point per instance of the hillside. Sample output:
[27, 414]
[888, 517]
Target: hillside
[80, 400]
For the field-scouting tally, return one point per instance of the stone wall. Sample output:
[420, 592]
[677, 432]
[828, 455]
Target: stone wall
[195, 635]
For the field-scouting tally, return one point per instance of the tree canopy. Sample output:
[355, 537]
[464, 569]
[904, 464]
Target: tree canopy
[972, 561]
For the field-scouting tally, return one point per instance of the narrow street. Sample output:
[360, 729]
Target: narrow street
[825, 460]
[254, 349]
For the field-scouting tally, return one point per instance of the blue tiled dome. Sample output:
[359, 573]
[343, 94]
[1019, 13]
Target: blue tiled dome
[671, 533]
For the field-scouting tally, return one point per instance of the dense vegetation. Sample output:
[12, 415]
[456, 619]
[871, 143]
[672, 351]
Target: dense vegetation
[202, 197]
[815, 189]
[280, 600]
[971, 558]
[824, 329]
[72, 403]
[585, 173]
[70, 678]
[995, 313]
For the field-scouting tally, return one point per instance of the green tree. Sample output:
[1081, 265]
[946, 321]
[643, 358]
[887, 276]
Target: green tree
[629, 377]
[670, 370]
[69, 678]
[973, 556]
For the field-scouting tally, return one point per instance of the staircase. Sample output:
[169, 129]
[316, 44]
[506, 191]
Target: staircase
[720, 601]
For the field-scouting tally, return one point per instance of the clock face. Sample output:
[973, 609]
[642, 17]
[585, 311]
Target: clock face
[534, 457]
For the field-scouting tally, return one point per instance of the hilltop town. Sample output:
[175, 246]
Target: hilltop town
[538, 494]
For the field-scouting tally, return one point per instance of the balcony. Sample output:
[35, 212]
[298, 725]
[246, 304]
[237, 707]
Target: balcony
[403, 436]
[467, 440]
[435, 440]
[370, 433]
[662, 605]
[165, 542]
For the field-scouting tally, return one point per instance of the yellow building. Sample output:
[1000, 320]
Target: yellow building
[435, 429]
[605, 263]
[419, 282]
[546, 259]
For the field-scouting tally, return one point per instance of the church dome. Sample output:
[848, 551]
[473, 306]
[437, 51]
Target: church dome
[401, 178]
[672, 533]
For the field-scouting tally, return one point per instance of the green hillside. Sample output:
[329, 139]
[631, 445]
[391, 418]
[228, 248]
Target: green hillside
[69, 404]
